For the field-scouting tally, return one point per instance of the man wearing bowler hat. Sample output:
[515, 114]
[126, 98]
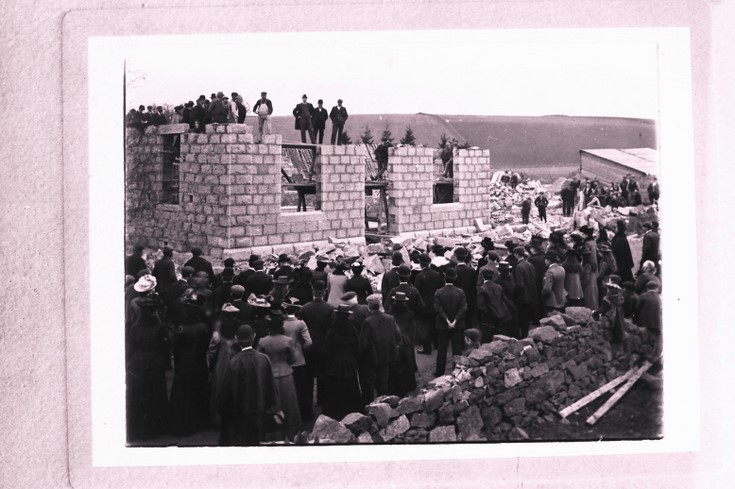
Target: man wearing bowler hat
[304, 112]
[320, 120]
[415, 302]
[391, 278]
[450, 305]
[379, 340]
[248, 394]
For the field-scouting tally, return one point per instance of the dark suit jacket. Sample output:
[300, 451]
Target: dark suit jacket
[650, 250]
[134, 264]
[338, 115]
[380, 334]
[450, 303]
[320, 118]
[466, 280]
[302, 111]
[490, 303]
[525, 277]
[165, 273]
[427, 282]
[248, 392]
[318, 316]
[390, 280]
[259, 283]
[415, 302]
[360, 285]
[200, 264]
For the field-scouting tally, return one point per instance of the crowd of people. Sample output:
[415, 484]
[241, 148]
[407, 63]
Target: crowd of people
[595, 193]
[246, 349]
[222, 109]
[217, 109]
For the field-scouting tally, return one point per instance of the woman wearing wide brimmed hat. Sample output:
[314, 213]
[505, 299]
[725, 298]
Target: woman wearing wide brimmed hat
[146, 357]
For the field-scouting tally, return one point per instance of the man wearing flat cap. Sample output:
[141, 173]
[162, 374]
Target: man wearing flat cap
[264, 108]
[338, 116]
[450, 305]
[303, 114]
[248, 394]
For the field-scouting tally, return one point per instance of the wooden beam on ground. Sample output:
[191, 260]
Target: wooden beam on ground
[574, 407]
[620, 393]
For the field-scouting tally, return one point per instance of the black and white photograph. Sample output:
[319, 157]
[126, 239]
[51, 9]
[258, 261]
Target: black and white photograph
[366, 244]
[472, 253]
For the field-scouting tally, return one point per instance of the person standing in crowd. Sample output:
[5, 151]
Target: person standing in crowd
[648, 316]
[645, 276]
[264, 108]
[611, 310]
[654, 191]
[165, 272]
[527, 290]
[572, 266]
[242, 109]
[341, 363]
[402, 378]
[282, 353]
[450, 305]
[541, 202]
[186, 113]
[358, 283]
[651, 244]
[589, 269]
[296, 329]
[284, 267]
[248, 394]
[146, 362]
[227, 263]
[222, 347]
[247, 270]
[415, 302]
[338, 116]
[427, 282]
[467, 281]
[247, 311]
[526, 210]
[553, 292]
[304, 113]
[507, 283]
[380, 337]
[491, 264]
[381, 157]
[198, 115]
[320, 120]
[622, 253]
[135, 262]
[189, 403]
[301, 291]
[491, 308]
[218, 109]
[221, 293]
[259, 282]
[336, 283]
[199, 263]
[317, 315]
[391, 278]
[177, 117]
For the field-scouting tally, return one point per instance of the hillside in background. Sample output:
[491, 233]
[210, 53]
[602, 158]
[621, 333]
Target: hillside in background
[515, 142]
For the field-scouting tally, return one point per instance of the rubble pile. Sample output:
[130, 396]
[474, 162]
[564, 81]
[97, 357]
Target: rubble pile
[505, 201]
[496, 393]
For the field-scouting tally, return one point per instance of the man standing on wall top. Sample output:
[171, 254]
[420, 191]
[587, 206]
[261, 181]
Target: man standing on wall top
[264, 109]
[338, 116]
[320, 120]
[303, 113]
[381, 157]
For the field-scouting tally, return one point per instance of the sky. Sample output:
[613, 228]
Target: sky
[611, 72]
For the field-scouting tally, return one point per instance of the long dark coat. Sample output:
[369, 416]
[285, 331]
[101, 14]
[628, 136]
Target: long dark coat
[248, 394]
[623, 256]
[402, 379]
[189, 404]
[341, 394]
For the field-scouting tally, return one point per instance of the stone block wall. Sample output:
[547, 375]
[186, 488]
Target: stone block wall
[230, 193]
[499, 391]
[411, 193]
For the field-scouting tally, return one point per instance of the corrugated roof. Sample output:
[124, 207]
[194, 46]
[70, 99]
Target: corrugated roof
[644, 160]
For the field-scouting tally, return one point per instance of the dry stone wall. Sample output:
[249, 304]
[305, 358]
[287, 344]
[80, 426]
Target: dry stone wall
[230, 191]
[410, 202]
[499, 391]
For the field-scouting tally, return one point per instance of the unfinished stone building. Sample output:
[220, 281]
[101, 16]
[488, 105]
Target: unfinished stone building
[222, 192]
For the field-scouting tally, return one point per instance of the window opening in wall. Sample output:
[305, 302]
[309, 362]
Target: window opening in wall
[299, 189]
[444, 191]
[170, 169]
